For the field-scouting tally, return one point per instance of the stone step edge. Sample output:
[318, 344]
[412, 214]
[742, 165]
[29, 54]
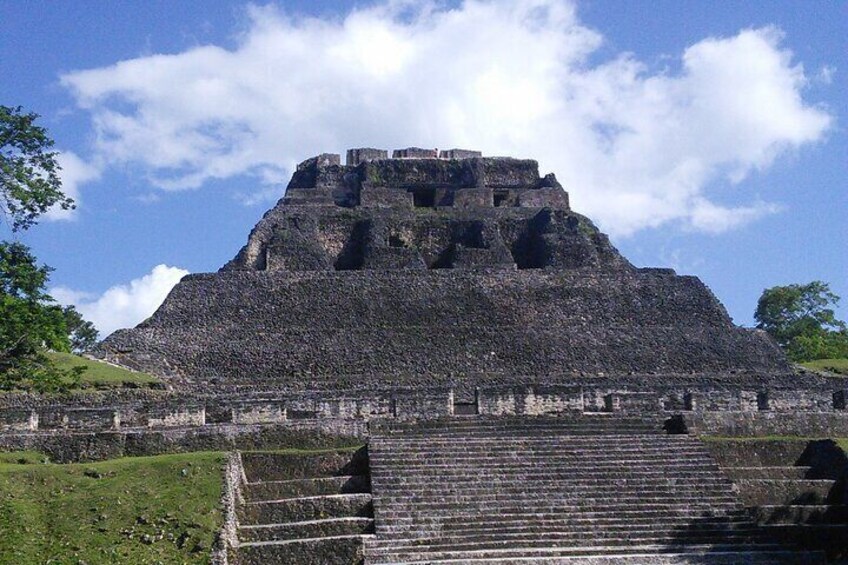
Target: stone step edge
[301, 481]
[557, 537]
[612, 558]
[303, 540]
[354, 495]
[682, 521]
[598, 549]
[255, 527]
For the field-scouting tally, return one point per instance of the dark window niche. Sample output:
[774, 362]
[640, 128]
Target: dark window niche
[762, 401]
[396, 241]
[839, 398]
[301, 414]
[424, 197]
[500, 198]
[689, 402]
[465, 408]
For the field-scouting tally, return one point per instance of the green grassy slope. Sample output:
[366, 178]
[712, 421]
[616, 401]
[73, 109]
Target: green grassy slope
[140, 510]
[99, 373]
[838, 366]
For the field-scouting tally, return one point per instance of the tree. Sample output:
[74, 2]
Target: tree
[29, 170]
[82, 333]
[30, 320]
[802, 320]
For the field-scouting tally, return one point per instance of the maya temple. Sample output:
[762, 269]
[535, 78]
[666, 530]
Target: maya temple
[524, 394]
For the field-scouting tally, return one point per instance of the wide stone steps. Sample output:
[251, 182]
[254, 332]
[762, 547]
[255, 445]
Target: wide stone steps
[587, 529]
[513, 457]
[713, 557]
[649, 465]
[513, 553]
[574, 502]
[566, 494]
[564, 541]
[471, 516]
[586, 479]
[557, 475]
[555, 522]
[510, 490]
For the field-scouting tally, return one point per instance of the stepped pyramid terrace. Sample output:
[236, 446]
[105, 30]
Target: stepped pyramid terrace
[522, 393]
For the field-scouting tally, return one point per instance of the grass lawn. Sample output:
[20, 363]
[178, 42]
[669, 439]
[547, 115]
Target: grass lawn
[99, 373]
[135, 510]
[838, 366]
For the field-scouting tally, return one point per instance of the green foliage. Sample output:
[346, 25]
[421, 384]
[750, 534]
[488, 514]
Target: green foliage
[29, 171]
[818, 344]
[136, 510]
[29, 323]
[81, 333]
[802, 320]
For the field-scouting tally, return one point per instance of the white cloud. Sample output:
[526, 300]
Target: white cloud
[635, 148]
[125, 305]
[74, 173]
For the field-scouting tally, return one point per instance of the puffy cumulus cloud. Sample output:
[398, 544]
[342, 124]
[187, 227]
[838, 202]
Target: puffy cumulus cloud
[636, 148]
[75, 172]
[125, 305]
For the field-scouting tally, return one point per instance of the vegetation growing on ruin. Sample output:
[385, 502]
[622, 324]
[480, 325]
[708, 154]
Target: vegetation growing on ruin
[98, 373]
[162, 509]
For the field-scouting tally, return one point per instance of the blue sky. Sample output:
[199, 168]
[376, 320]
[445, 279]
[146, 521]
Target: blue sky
[706, 136]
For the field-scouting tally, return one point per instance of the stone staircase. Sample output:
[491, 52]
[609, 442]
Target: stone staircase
[597, 489]
[793, 488]
[303, 509]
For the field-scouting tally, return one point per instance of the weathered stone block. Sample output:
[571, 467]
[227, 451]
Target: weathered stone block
[363, 154]
[18, 420]
[177, 416]
[459, 154]
[384, 197]
[259, 413]
[415, 153]
[473, 198]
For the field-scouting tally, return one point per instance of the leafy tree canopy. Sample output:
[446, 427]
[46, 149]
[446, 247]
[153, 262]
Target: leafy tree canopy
[82, 333]
[29, 170]
[802, 320]
[30, 321]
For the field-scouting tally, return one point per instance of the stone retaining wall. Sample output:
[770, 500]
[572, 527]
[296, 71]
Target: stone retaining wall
[760, 408]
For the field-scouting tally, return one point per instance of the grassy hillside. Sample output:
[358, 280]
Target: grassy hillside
[838, 366]
[98, 373]
[140, 510]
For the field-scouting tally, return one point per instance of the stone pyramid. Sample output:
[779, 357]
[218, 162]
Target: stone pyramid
[434, 270]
